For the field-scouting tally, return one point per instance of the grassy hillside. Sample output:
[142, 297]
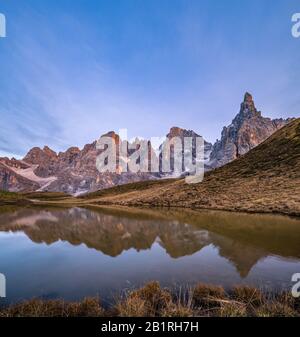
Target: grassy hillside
[127, 188]
[266, 179]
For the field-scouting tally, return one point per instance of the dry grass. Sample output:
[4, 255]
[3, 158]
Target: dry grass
[208, 296]
[149, 301]
[89, 307]
[275, 309]
[232, 309]
[248, 295]
[132, 306]
[154, 301]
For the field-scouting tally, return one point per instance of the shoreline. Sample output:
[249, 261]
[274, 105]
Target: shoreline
[29, 203]
[145, 206]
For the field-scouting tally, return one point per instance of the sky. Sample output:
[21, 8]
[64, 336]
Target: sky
[71, 71]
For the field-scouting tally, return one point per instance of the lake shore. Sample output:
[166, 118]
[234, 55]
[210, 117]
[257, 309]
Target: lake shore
[154, 301]
[110, 199]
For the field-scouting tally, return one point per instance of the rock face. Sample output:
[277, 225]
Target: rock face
[45, 159]
[74, 171]
[247, 130]
[179, 133]
[10, 180]
[182, 133]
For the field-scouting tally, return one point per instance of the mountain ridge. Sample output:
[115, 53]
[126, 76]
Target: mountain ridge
[266, 179]
[74, 171]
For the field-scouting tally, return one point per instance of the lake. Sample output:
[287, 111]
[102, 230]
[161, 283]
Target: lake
[75, 252]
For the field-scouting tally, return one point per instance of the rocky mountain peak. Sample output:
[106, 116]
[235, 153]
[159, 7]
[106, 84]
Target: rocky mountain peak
[112, 135]
[70, 155]
[73, 149]
[248, 98]
[247, 110]
[247, 130]
[182, 133]
[179, 132]
[37, 155]
[49, 151]
[37, 152]
[175, 131]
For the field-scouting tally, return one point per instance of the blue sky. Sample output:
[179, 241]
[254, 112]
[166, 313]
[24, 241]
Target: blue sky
[73, 70]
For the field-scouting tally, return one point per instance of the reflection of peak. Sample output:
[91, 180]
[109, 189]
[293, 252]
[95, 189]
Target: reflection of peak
[184, 241]
[234, 251]
[106, 233]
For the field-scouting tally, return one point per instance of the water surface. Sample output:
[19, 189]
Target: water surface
[73, 253]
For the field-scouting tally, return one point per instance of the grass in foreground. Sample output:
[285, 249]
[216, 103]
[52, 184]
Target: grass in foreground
[154, 301]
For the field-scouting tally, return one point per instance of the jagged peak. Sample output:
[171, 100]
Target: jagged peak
[73, 149]
[70, 150]
[32, 152]
[247, 110]
[36, 155]
[49, 151]
[248, 97]
[248, 102]
[113, 135]
[176, 131]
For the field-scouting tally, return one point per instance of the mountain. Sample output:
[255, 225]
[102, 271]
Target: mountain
[266, 179]
[247, 130]
[182, 133]
[179, 133]
[74, 171]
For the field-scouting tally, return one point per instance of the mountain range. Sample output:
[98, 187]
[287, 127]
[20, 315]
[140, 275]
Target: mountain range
[74, 171]
[265, 179]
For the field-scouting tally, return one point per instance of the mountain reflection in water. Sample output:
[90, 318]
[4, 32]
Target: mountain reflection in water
[242, 239]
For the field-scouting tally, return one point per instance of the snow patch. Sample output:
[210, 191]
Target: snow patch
[29, 174]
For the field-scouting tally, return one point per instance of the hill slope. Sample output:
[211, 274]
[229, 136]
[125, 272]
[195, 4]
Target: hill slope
[266, 179]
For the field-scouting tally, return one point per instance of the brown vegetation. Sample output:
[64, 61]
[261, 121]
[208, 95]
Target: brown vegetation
[154, 301]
